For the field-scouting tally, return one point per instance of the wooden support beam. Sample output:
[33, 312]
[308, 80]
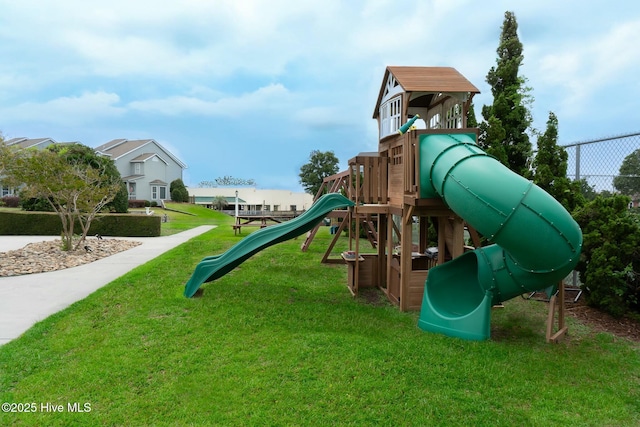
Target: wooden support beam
[408, 215]
[371, 209]
[356, 272]
[405, 257]
[389, 255]
[382, 247]
[475, 237]
[325, 258]
[556, 300]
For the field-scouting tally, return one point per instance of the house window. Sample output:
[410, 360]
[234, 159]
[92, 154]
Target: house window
[276, 207]
[163, 193]
[390, 116]
[132, 190]
[137, 169]
[154, 192]
[6, 191]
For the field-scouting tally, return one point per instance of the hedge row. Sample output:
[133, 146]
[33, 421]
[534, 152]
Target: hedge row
[48, 224]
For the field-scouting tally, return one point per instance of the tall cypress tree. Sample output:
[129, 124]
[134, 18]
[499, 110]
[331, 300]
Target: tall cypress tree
[550, 168]
[472, 122]
[503, 134]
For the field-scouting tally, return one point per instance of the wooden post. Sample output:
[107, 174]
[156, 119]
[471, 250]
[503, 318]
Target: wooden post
[382, 246]
[562, 328]
[389, 252]
[405, 256]
[356, 266]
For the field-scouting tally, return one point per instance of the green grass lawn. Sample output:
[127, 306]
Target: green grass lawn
[183, 216]
[281, 341]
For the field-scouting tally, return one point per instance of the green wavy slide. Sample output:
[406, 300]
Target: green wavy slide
[214, 267]
[536, 242]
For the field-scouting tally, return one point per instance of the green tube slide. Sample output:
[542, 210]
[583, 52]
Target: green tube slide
[536, 241]
[214, 267]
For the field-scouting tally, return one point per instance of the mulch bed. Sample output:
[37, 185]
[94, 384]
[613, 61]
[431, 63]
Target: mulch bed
[597, 320]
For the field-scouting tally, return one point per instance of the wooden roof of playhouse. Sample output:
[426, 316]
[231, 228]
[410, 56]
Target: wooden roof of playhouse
[428, 80]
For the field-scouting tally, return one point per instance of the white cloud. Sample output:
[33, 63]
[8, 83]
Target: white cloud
[322, 117]
[174, 71]
[268, 99]
[86, 108]
[583, 68]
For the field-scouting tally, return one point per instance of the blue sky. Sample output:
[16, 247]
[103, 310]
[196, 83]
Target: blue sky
[249, 88]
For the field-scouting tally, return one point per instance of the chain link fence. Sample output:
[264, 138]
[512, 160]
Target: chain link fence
[598, 161]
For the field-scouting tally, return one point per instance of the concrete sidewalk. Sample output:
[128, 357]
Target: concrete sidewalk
[25, 300]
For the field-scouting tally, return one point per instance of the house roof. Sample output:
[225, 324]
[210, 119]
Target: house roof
[132, 177]
[146, 156]
[119, 147]
[431, 79]
[426, 79]
[28, 142]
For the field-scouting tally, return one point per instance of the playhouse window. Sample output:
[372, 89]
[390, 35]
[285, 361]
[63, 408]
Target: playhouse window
[390, 116]
[434, 122]
[396, 155]
[454, 117]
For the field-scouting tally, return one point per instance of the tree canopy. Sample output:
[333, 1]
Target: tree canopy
[550, 168]
[321, 165]
[79, 153]
[76, 190]
[227, 181]
[6, 157]
[503, 134]
[219, 203]
[628, 180]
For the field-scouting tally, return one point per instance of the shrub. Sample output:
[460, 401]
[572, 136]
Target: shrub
[120, 204]
[137, 203]
[178, 191]
[35, 205]
[11, 201]
[610, 263]
[48, 224]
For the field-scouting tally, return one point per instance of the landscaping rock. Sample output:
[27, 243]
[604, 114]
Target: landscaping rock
[48, 256]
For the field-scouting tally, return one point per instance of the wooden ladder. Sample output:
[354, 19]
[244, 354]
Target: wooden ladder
[370, 229]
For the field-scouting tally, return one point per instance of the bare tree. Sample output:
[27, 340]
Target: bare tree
[219, 203]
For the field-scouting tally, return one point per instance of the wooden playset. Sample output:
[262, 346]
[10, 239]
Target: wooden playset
[411, 211]
[385, 188]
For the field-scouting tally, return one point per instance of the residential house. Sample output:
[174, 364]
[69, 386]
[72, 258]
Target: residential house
[23, 143]
[145, 166]
[39, 143]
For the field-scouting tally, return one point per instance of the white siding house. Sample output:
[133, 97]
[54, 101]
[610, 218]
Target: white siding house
[145, 166]
[251, 199]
